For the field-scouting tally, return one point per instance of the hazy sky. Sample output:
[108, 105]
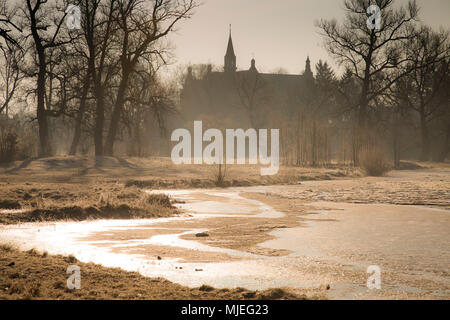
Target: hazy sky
[280, 33]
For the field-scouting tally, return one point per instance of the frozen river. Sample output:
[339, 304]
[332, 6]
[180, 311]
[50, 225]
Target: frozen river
[334, 245]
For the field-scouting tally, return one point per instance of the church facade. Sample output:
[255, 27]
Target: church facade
[242, 98]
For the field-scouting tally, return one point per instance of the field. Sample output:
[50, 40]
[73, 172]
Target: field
[81, 188]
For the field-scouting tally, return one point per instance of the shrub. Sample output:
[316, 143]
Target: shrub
[27, 142]
[8, 146]
[10, 204]
[374, 161]
[18, 139]
[158, 199]
[220, 175]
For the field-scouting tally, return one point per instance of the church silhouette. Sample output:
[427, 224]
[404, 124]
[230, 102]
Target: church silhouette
[244, 98]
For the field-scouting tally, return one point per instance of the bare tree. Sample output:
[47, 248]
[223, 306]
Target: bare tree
[444, 114]
[370, 52]
[95, 50]
[99, 30]
[12, 55]
[149, 102]
[8, 26]
[44, 22]
[141, 23]
[421, 89]
[82, 77]
[10, 75]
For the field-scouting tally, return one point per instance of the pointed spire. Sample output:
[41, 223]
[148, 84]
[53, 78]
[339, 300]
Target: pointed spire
[308, 72]
[230, 49]
[230, 57]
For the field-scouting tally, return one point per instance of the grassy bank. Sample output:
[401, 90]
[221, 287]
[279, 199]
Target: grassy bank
[33, 275]
[25, 203]
[79, 188]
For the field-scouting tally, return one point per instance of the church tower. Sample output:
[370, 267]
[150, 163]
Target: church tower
[253, 66]
[308, 73]
[230, 57]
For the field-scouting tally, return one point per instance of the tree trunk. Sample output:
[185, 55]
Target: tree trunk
[445, 148]
[362, 129]
[99, 121]
[79, 119]
[114, 125]
[356, 144]
[138, 141]
[396, 147]
[44, 139]
[425, 153]
[314, 145]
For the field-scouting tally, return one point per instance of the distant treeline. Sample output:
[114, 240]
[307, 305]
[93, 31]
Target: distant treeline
[91, 87]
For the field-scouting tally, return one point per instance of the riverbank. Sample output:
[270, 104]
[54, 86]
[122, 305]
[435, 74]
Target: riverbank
[27, 203]
[265, 237]
[35, 275]
[80, 188]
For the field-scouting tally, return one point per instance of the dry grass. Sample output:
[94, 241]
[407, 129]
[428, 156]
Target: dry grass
[161, 172]
[374, 162]
[220, 175]
[80, 188]
[32, 275]
[240, 176]
[75, 202]
[436, 165]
